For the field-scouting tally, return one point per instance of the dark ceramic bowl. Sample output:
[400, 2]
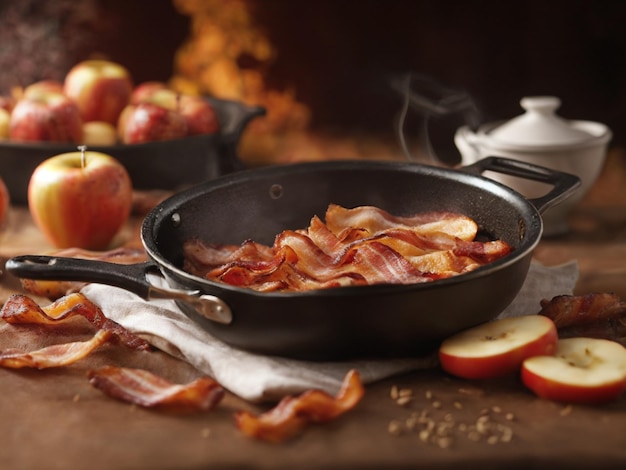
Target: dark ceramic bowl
[165, 165]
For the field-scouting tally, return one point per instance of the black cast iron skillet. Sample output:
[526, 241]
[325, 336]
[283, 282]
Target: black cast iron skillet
[359, 321]
[169, 165]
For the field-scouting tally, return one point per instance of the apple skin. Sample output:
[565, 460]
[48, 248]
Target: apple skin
[582, 371]
[5, 119]
[43, 86]
[144, 91]
[100, 88]
[81, 207]
[99, 133]
[148, 122]
[5, 202]
[497, 348]
[7, 103]
[48, 117]
[200, 116]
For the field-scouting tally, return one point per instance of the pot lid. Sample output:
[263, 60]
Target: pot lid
[539, 125]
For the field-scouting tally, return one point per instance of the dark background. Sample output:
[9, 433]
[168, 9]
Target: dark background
[340, 54]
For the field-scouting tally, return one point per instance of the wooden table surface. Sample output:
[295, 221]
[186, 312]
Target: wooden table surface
[55, 419]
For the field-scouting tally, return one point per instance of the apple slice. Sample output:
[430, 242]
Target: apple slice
[498, 347]
[582, 370]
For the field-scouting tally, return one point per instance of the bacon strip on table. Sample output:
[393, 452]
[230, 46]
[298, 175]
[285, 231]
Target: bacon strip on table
[57, 355]
[54, 290]
[146, 389]
[597, 315]
[359, 246]
[292, 414]
[19, 309]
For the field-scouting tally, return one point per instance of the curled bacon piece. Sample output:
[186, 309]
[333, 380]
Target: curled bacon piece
[57, 355]
[292, 414]
[359, 246]
[22, 309]
[146, 389]
[54, 290]
[598, 315]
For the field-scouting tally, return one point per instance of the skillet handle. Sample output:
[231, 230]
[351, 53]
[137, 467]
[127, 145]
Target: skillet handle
[132, 277]
[563, 184]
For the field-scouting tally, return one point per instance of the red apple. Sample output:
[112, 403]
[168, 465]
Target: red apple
[147, 122]
[5, 119]
[497, 348]
[144, 91]
[80, 199]
[200, 116]
[99, 133]
[43, 86]
[101, 89]
[7, 103]
[46, 116]
[582, 370]
[5, 202]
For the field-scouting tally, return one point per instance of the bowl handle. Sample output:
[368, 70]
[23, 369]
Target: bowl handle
[132, 277]
[563, 184]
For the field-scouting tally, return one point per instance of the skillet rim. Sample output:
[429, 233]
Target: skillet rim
[166, 208]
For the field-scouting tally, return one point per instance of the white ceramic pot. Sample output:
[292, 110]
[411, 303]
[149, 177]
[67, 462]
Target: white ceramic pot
[541, 137]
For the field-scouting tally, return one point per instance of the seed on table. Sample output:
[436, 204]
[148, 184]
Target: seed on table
[394, 427]
[402, 401]
[393, 393]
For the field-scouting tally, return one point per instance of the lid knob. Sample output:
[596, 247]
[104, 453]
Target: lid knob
[541, 104]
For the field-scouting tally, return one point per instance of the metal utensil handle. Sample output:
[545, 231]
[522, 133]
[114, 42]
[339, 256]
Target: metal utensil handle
[563, 184]
[132, 277]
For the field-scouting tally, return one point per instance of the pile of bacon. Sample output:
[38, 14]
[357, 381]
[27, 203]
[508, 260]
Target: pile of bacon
[360, 246]
[144, 388]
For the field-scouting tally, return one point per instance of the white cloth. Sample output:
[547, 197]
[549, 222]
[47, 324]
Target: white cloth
[260, 378]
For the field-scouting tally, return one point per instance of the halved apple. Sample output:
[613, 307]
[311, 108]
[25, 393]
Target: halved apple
[582, 370]
[497, 348]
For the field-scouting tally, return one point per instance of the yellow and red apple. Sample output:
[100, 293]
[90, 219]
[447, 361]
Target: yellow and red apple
[200, 115]
[144, 91]
[5, 202]
[498, 347]
[5, 119]
[100, 88]
[43, 86]
[582, 370]
[80, 199]
[46, 116]
[148, 122]
[99, 133]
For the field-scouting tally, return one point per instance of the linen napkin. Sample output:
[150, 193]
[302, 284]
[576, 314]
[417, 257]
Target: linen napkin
[258, 378]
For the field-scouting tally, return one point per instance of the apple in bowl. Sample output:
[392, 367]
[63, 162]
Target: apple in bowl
[100, 88]
[80, 199]
[46, 116]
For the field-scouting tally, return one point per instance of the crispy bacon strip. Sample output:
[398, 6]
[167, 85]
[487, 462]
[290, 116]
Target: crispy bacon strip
[57, 355]
[292, 414]
[359, 246]
[598, 315]
[146, 389]
[54, 290]
[22, 309]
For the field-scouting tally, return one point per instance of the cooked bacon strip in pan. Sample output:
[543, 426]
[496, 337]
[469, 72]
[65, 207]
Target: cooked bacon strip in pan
[146, 389]
[22, 309]
[359, 246]
[57, 355]
[54, 290]
[292, 414]
[598, 315]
